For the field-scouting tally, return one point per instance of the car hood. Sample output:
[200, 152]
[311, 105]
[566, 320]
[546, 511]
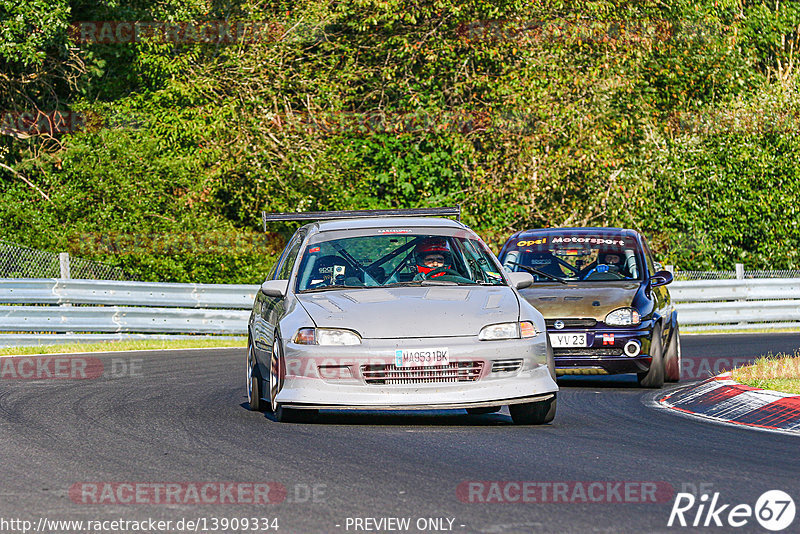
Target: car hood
[582, 300]
[412, 312]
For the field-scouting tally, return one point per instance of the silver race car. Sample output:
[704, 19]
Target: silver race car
[388, 310]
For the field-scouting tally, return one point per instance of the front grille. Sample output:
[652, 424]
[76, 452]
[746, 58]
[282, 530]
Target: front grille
[588, 352]
[384, 374]
[507, 366]
[572, 323]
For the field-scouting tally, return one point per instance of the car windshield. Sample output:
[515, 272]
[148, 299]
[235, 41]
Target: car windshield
[395, 258]
[574, 257]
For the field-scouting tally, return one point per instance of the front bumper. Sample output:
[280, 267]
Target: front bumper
[510, 371]
[604, 354]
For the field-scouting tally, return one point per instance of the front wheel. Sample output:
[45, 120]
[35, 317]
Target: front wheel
[654, 377]
[253, 381]
[672, 360]
[534, 413]
[274, 376]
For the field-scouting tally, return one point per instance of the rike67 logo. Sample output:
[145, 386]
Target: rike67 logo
[774, 510]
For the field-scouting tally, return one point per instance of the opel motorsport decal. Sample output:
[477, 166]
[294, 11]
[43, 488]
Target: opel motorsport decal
[570, 240]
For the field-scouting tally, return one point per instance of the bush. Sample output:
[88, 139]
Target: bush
[526, 113]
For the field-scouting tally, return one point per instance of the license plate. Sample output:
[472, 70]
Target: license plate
[421, 357]
[568, 340]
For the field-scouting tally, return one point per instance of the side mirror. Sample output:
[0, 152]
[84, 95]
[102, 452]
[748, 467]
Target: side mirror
[275, 288]
[520, 280]
[661, 278]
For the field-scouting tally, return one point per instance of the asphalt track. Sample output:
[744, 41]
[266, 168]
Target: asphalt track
[181, 416]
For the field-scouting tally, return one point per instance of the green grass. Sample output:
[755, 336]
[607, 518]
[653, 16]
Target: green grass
[779, 372]
[754, 330]
[134, 344]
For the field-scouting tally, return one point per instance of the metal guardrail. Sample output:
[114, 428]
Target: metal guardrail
[743, 304]
[42, 311]
[122, 319]
[113, 293]
[35, 340]
[747, 289]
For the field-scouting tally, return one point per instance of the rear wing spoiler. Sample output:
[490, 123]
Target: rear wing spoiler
[454, 211]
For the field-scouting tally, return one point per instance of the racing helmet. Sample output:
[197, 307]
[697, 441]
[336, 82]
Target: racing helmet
[432, 246]
[610, 258]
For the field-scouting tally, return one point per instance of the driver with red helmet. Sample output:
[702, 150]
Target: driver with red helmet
[432, 254]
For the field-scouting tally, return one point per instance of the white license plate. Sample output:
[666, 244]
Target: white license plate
[421, 357]
[567, 340]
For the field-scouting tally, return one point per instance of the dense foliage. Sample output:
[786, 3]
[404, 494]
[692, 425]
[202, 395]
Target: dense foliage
[673, 117]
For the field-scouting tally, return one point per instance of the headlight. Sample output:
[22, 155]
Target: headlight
[326, 336]
[623, 317]
[524, 329]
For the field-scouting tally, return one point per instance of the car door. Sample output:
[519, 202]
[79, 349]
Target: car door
[270, 310]
[660, 295]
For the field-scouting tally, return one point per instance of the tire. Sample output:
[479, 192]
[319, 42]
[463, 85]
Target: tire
[654, 377]
[483, 410]
[253, 382]
[282, 414]
[672, 359]
[534, 413]
[274, 375]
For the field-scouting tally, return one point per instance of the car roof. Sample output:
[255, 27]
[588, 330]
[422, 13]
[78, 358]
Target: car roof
[384, 222]
[583, 230]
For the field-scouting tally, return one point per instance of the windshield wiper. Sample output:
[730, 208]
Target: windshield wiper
[326, 288]
[428, 282]
[439, 283]
[533, 270]
[402, 284]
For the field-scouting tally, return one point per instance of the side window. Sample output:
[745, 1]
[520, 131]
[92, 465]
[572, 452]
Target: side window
[274, 271]
[648, 258]
[271, 274]
[287, 262]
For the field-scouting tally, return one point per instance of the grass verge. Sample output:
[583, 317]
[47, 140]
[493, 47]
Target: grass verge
[125, 345]
[779, 372]
[723, 330]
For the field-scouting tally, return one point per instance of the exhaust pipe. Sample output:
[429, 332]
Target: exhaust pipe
[632, 348]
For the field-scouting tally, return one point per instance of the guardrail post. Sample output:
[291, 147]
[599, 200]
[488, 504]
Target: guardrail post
[63, 261]
[740, 276]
